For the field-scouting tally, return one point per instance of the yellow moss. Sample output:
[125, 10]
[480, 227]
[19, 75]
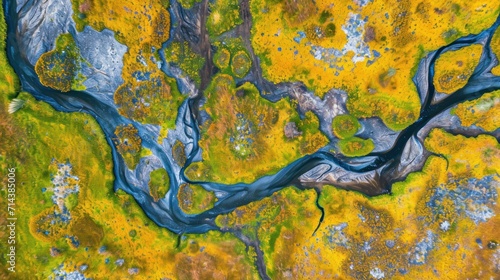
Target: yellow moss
[213, 256]
[453, 68]
[402, 218]
[495, 47]
[41, 227]
[472, 157]
[61, 68]
[393, 24]
[128, 144]
[483, 112]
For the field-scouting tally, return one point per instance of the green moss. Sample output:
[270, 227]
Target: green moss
[247, 131]
[345, 126]
[396, 114]
[71, 201]
[232, 52]
[324, 16]
[418, 57]
[240, 64]
[188, 4]
[330, 30]
[80, 10]
[159, 183]
[186, 59]
[355, 147]
[222, 58]
[46, 134]
[224, 15]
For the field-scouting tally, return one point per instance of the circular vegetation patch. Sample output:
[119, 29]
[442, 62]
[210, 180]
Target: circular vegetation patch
[221, 58]
[330, 30]
[345, 126]
[241, 64]
[356, 147]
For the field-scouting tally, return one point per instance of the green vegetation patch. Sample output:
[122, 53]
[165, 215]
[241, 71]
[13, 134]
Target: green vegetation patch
[61, 68]
[396, 114]
[188, 4]
[240, 64]
[232, 52]
[194, 199]
[330, 30]
[186, 59]
[245, 129]
[222, 58]
[159, 183]
[356, 147]
[325, 15]
[224, 16]
[345, 126]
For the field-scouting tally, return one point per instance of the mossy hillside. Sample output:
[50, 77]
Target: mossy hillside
[42, 135]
